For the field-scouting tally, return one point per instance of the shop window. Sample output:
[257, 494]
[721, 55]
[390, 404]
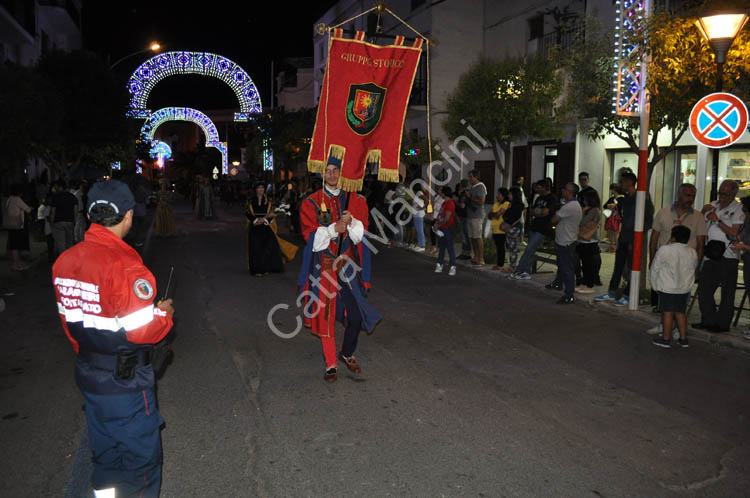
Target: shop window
[688, 164]
[735, 165]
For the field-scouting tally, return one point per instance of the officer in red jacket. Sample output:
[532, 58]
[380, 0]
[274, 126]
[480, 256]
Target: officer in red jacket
[105, 297]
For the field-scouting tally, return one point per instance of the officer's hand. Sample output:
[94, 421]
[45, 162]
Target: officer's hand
[166, 306]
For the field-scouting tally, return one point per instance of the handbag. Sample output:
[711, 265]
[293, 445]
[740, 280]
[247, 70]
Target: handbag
[715, 250]
[507, 227]
[588, 231]
[487, 229]
[12, 219]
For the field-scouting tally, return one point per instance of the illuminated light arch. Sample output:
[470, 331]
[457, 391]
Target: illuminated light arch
[166, 64]
[157, 118]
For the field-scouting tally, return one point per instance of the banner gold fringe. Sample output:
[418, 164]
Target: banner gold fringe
[388, 175]
[314, 166]
[349, 185]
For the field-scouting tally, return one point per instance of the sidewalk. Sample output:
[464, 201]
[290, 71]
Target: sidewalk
[546, 273]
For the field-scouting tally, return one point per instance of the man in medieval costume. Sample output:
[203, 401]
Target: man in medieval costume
[335, 273]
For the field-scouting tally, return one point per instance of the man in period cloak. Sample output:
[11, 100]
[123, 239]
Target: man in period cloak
[335, 273]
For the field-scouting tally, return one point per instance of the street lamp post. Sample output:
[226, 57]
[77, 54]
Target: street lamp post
[719, 29]
[154, 47]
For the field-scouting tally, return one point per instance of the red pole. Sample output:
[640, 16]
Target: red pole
[640, 200]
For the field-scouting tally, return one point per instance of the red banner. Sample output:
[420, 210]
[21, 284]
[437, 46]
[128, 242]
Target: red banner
[362, 107]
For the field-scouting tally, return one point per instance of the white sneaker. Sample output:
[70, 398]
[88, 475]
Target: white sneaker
[656, 329]
[418, 249]
[452, 271]
[438, 268]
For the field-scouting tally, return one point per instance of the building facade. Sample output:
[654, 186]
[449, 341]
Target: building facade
[29, 28]
[465, 30]
[295, 84]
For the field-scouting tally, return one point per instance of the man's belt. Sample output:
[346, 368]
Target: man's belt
[121, 364]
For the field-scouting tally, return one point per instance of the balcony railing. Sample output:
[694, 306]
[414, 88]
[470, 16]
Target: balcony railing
[562, 40]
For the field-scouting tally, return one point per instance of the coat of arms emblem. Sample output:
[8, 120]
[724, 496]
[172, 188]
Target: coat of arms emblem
[364, 107]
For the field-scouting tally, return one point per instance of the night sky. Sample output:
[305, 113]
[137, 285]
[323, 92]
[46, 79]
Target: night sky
[251, 33]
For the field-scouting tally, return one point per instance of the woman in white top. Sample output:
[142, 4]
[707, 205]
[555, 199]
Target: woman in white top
[14, 221]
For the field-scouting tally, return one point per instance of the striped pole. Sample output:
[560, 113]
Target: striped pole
[640, 199]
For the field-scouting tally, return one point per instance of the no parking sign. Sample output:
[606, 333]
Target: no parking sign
[718, 120]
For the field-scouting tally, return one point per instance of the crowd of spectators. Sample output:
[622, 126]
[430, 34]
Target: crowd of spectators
[568, 226]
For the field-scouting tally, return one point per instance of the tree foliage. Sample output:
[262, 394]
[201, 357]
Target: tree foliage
[505, 100]
[68, 110]
[93, 123]
[682, 70]
[288, 134]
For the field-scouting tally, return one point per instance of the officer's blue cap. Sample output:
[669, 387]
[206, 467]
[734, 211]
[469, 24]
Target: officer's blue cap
[112, 193]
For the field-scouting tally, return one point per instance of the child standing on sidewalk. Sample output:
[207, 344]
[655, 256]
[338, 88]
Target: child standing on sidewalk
[443, 228]
[673, 275]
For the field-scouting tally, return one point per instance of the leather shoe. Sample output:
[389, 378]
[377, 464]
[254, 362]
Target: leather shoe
[351, 363]
[331, 375]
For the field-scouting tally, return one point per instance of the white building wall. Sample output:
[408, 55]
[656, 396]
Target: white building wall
[301, 95]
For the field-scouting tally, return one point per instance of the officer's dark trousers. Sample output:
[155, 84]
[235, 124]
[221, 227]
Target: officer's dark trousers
[125, 443]
[713, 274]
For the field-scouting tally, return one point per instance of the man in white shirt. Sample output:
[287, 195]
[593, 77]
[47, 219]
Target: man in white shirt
[724, 218]
[566, 221]
[475, 214]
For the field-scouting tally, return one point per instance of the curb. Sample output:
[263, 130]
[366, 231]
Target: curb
[732, 339]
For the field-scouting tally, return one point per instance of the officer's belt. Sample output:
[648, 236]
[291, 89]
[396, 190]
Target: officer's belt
[109, 361]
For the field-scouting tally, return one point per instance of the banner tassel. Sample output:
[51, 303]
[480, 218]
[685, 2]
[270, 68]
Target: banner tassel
[337, 152]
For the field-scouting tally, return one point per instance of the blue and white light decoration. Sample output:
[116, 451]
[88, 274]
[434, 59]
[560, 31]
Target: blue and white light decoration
[267, 156]
[629, 34]
[161, 116]
[166, 64]
[160, 151]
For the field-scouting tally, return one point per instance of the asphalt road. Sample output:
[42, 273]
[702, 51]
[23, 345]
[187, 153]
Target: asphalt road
[472, 386]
